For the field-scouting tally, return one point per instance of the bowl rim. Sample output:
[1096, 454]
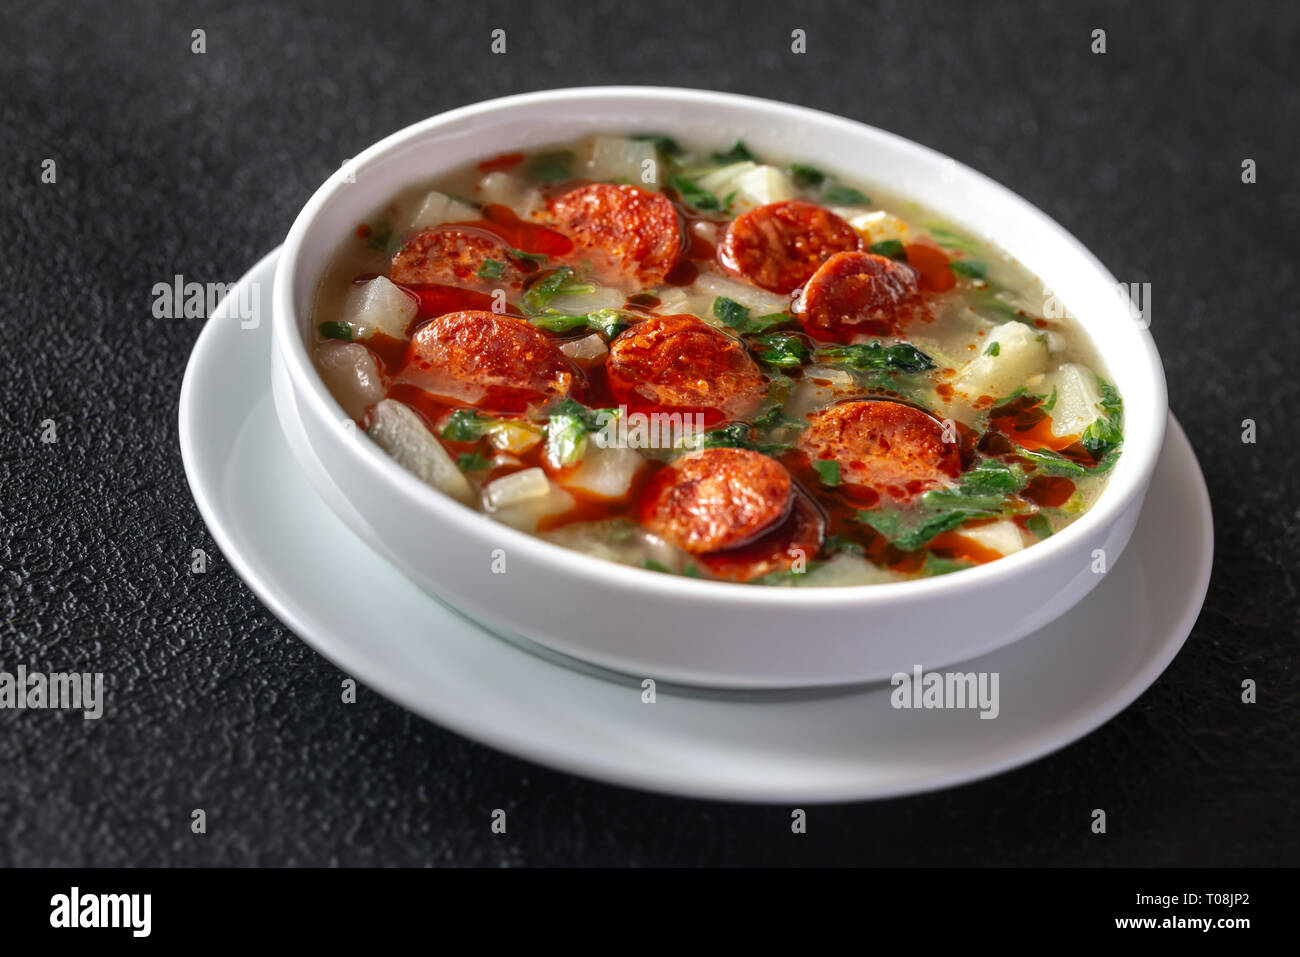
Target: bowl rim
[1118, 494]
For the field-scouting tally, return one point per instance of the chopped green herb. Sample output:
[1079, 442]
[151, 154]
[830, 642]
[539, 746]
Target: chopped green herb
[893, 248]
[806, 177]
[491, 269]
[559, 282]
[784, 350]
[726, 200]
[952, 239]
[567, 427]
[1040, 525]
[690, 571]
[1053, 463]
[736, 316]
[520, 254]
[983, 493]
[738, 435]
[1050, 404]
[737, 154]
[693, 195]
[902, 357]
[664, 144]
[550, 167]
[936, 565]
[651, 565]
[970, 268]
[775, 418]
[335, 330]
[472, 462]
[608, 322]
[466, 425]
[828, 470]
[842, 543]
[1106, 432]
[995, 348]
[844, 196]
[381, 234]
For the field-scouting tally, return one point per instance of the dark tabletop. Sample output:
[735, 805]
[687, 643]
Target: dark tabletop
[171, 162]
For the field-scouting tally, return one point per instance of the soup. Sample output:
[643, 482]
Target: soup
[712, 364]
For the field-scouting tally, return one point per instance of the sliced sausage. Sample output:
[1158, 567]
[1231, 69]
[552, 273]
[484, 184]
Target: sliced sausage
[780, 245]
[716, 499]
[497, 363]
[858, 294]
[454, 256]
[682, 364]
[884, 449]
[796, 538]
[630, 235]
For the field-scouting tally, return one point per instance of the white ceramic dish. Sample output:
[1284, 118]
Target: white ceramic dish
[673, 628]
[798, 747]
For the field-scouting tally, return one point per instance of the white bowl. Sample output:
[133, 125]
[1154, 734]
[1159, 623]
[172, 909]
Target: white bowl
[673, 628]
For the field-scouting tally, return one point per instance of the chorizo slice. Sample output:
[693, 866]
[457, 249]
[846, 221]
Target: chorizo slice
[779, 246]
[630, 235]
[858, 294]
[798, 537]
[495, 362]
[716, 499]
[457, 256]
[884, 449]
[682, 364]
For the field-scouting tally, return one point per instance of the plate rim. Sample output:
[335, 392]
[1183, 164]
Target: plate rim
[354, 661]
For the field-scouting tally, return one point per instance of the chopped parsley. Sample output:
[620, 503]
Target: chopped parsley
[1040, 526]
[472, 462]
[806, 177]
[901, 357]
[952, 239]
[970, 268]
[828, 470]
[335, 330]
[737, 154]
[693, 195]
[559, 282]
[520, 254]
[784, 350]
[893, 248]
[567, 428]
[995, 348]
[736, 316]
[551, 167]
[739, 435]
[491, 269]
[844, 196]
[467, 425]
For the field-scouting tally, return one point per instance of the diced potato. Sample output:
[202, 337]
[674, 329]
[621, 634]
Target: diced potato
[378, 306]
[581, 303]
[753, 185]
[522, 499]
[506, 189]
[673, 301]
[511, 435]
[621, 159]
[403, 435]
[351, 374]
[515, 488]
[762, 185]
[1020, 353]
[1078, 398]
[439, 208]
[876, 226]
[845, 568]
[817, 386]
[605, 472]
[586, 351]
[708, 286]
[1003, 537]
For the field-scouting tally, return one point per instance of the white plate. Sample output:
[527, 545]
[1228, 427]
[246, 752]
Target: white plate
[835, 744]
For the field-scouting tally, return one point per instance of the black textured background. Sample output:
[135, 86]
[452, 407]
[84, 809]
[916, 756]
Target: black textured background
[171, 162]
